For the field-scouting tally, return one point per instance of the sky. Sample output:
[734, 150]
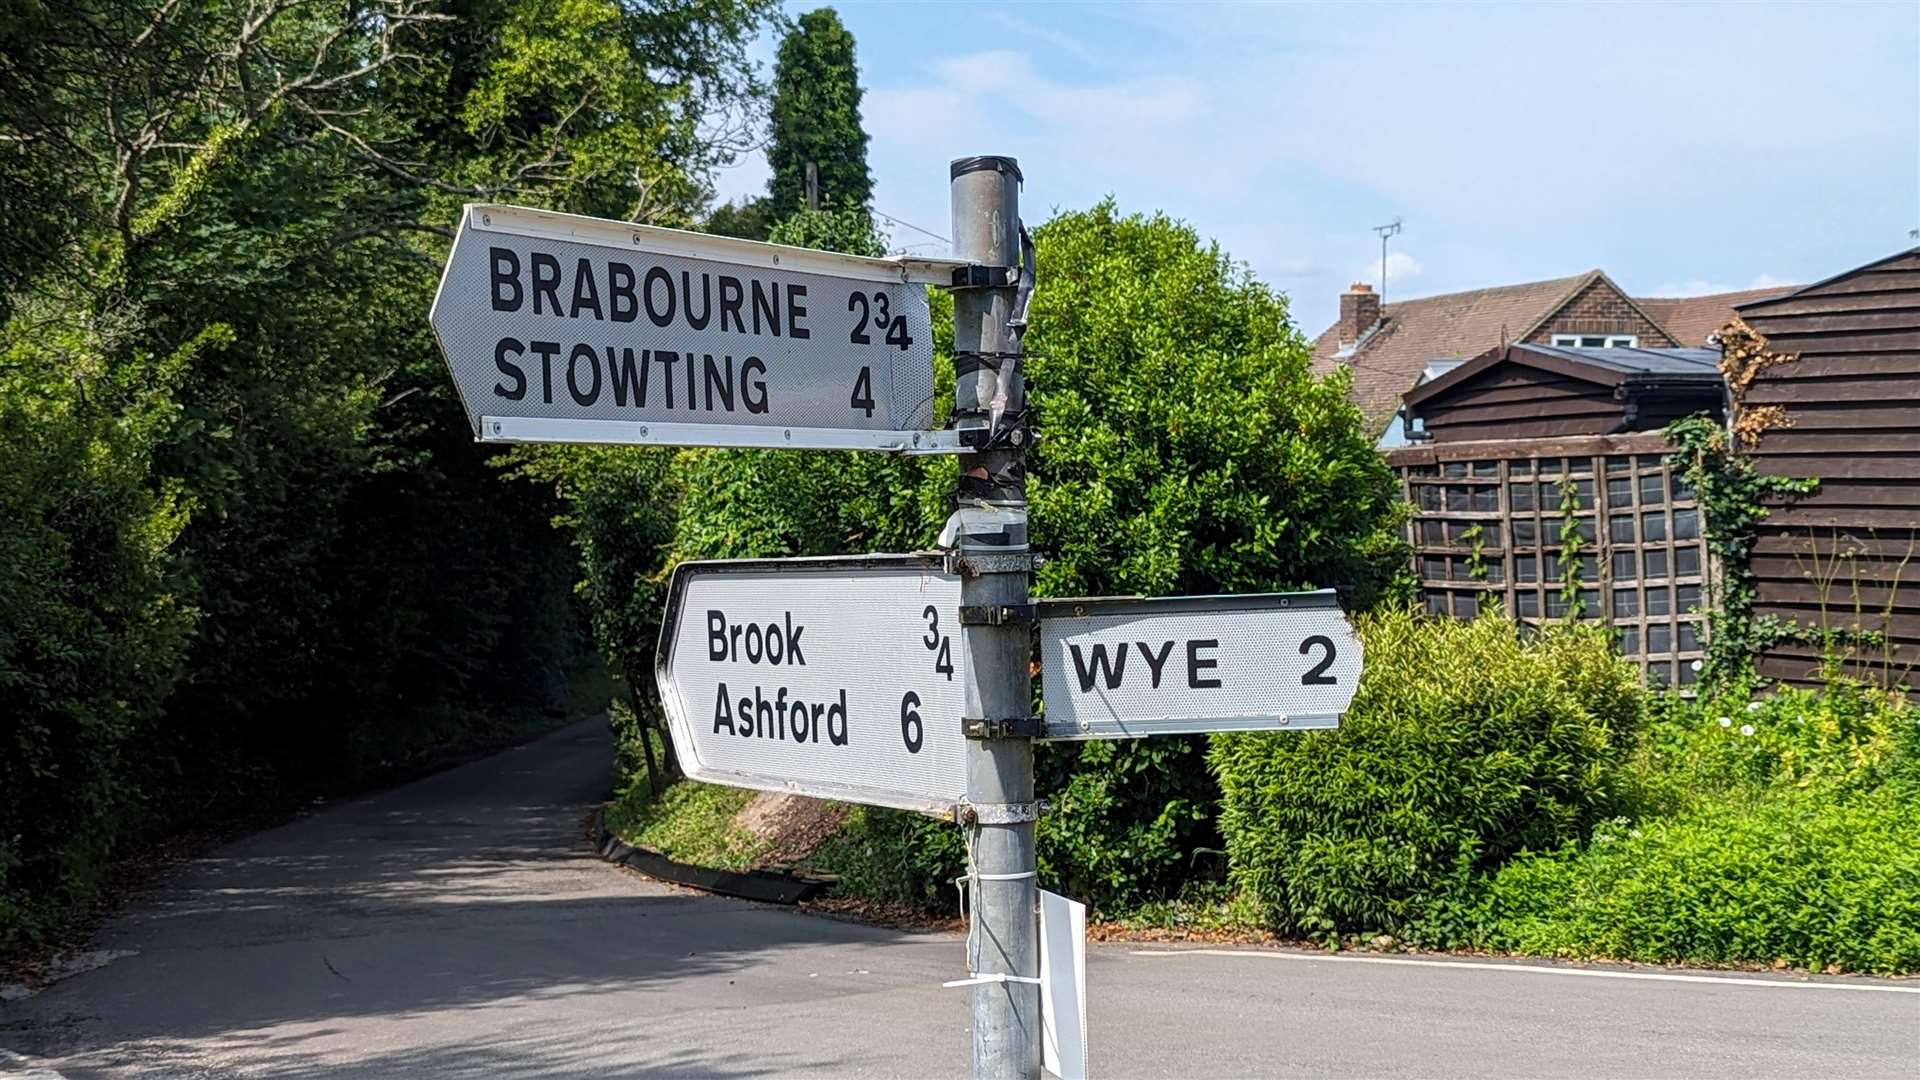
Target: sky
[1682, 148]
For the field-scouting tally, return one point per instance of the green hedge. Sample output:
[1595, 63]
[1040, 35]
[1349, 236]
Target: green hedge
[1465, 745]
[1802, 877]
[1782, 830]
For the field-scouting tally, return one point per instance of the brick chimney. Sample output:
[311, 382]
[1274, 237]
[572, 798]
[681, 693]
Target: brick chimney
[1359, 311]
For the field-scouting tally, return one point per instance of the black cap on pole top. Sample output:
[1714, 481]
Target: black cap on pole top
[1007, 165]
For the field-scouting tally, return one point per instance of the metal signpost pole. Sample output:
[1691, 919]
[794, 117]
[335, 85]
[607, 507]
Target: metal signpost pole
[990, 413]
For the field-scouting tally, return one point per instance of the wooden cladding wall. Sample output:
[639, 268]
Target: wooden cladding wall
[1847, 557]
[1520, 402]
[1488, 527]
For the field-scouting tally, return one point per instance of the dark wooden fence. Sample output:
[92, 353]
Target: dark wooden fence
[1847, 558]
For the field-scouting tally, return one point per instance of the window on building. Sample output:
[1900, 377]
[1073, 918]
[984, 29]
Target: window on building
[1597, 341]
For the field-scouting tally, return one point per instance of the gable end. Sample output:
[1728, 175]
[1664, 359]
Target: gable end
[1600, 307]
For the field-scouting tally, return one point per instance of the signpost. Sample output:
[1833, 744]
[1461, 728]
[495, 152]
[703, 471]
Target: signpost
[1128, 667]
[831, 677]
[568, 329]
[893, 680]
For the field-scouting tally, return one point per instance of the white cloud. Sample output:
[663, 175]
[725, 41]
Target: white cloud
[1287, 132]
[1704, 287]
[1401, 268]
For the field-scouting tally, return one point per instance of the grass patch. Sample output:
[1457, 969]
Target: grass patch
[689, 822]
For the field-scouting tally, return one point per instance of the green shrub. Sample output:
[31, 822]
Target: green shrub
[1465, 745]
[1782, 830]
[895, 857]
[1846, 737]
[1804, 877]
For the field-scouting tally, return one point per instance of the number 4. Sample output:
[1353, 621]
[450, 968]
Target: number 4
[863, 391]
[897, 333]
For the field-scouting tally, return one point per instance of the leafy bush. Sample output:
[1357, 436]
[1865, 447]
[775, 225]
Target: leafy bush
[1801, 877]
[1465, 744]
[897, 858]
[1847, 737]
[1782, 830]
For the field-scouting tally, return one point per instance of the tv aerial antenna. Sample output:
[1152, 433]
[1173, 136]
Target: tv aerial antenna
[1390, 229]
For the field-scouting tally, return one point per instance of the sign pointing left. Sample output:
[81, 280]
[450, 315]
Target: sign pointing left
[839, 677]
[560, 328]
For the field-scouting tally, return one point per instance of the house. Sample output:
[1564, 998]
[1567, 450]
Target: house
[1391, 347]
[1844, 408]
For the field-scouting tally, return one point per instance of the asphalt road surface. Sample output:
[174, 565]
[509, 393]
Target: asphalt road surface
[460, 926]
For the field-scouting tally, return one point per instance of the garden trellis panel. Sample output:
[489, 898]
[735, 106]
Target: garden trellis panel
[1490, 523]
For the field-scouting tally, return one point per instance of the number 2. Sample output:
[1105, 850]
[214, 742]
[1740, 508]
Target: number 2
[859, 334]
[1316, 675]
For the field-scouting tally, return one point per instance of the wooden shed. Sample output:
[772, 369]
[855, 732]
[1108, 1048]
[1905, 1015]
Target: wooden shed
[1540, 484]
[1848, 556]
[1531, 391]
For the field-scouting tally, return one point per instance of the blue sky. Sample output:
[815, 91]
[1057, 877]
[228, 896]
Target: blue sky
[1683, 148]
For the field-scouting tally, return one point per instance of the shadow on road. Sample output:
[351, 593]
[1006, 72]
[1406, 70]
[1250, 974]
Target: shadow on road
[457, 926]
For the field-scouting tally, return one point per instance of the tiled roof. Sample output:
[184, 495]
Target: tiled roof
[1452, 325]
[1690, 319]
[1465, 324]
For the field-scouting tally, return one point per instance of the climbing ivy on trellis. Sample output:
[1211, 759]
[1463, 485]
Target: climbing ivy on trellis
[1571, 548]
[1732, 497]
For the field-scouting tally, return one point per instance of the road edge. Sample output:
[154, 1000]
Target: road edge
[765, 886]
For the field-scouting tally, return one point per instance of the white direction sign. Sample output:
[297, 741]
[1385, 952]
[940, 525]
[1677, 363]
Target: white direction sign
[1122, 667]
[838, 677]
[560, 328]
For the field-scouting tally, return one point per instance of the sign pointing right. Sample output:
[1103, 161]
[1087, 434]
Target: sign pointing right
[1128, 667]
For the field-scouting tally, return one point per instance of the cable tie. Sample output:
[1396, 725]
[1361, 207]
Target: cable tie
[976, 979]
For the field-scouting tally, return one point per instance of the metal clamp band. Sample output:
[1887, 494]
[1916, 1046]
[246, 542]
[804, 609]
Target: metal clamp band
[1017, 727]
[998, 814]
[975, 565]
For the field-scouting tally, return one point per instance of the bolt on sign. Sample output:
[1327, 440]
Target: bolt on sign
[559, 328]
[1124, 667]
[834, 677]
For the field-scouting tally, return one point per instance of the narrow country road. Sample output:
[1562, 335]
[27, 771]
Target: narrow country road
[460, 926]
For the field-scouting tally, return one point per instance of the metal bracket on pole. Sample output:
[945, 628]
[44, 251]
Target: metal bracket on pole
[975, 276]
[1013, 727]
[997, 614]
[999, 814]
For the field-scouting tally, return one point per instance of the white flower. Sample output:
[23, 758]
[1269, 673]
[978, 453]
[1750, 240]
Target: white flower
[1726, 721]
[1753, 706]
[1696, 665]
[1746, 729]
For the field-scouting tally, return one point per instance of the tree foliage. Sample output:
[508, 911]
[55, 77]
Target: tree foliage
[816, 118]
[255, 547]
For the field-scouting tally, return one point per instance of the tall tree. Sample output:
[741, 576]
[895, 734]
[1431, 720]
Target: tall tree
[816, 118]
